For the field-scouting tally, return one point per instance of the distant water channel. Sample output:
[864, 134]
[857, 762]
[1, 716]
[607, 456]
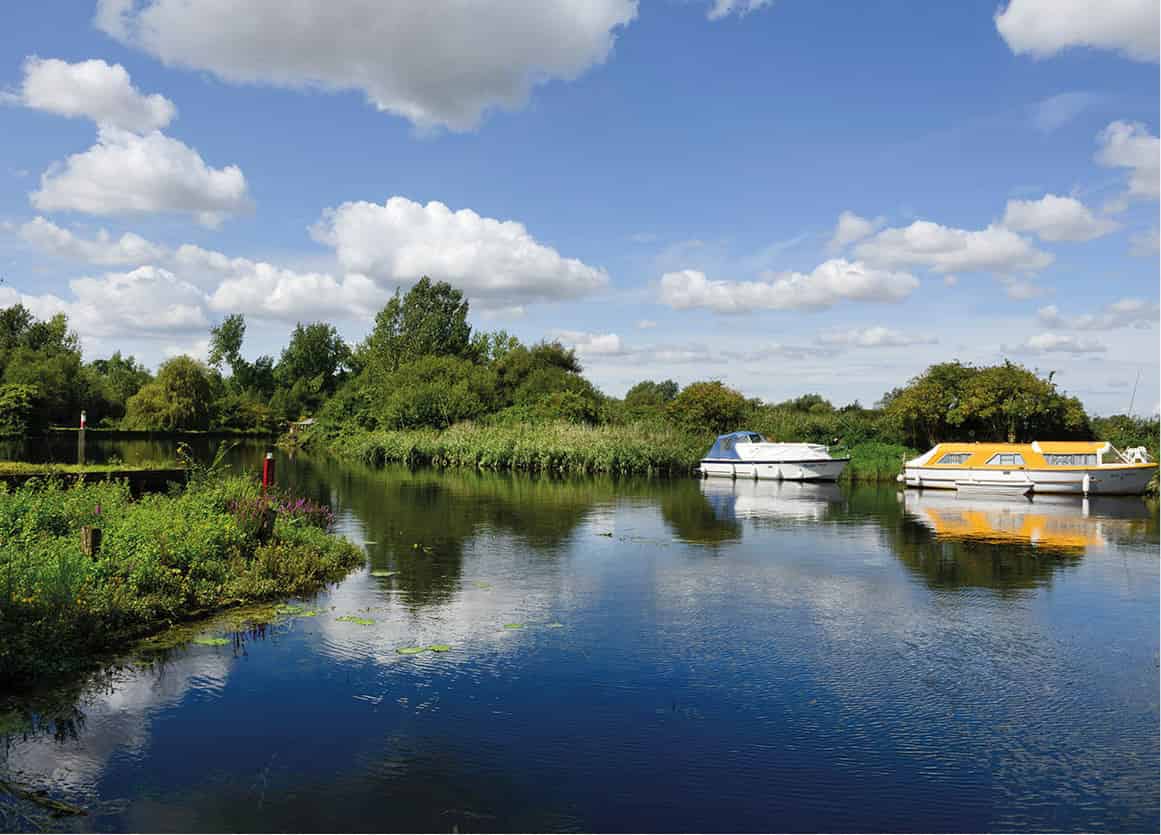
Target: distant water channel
[643, 656]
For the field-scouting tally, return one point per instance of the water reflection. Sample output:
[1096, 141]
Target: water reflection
[799, 657]
[1009, 545]
[770, 500]
[1066, 524]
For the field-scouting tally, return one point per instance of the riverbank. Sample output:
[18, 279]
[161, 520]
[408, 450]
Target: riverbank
[159, 560]
[564, 448]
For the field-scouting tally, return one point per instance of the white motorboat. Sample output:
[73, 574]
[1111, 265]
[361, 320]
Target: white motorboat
[749, 455]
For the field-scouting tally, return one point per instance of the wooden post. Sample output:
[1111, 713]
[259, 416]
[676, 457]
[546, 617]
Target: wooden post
[268, 471]
[90, 541]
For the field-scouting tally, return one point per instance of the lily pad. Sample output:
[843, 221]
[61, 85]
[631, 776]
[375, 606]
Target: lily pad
[310, 613]
[513, 626]
[411, 650]
[383, 572]
[211, 642]
[440, 648]
[289, 609]
[480, 584]
[355, 619]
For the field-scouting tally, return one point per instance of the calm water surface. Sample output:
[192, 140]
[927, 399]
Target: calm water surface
[657, 656]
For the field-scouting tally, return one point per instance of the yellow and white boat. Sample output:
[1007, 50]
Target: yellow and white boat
[1080, 467]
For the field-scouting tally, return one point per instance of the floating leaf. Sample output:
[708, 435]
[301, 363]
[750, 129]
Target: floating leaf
[288, 609]
[554, 626]
[383, 572]
[211, 642]
[411, 650]
[310, 614]
[513, 626]
[355, 619]
[440, 648]
[480, 584]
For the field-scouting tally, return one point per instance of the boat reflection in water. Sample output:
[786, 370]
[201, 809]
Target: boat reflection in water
[773, 500]
[1065, 524]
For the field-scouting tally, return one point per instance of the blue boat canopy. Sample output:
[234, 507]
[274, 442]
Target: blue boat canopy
[725, 447]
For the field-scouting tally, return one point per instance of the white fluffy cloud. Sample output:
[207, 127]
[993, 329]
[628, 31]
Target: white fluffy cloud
[1119, 314]
[147, 301]
[945, 249]
[93, 90]
[587, 344]
[850, 228]
[1045, 27]
[1056, 343]
[440, 62]
[725, 8]
[125, 173]
[873, 337]
[401, 241]
[103, 250]
[1055, 218]
[258, 288]
[829, 283]
[1130, 145]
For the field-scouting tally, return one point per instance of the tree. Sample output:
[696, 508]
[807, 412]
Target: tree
[45, 356]
[115, 380]
[709, 406]
[437, 391]
[315, 360]
[430, 320]
[226, 341]
[1010, 403]
[923, 407]
[179, 398]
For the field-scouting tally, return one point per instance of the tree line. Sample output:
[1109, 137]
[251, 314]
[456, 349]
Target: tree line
[423, 365]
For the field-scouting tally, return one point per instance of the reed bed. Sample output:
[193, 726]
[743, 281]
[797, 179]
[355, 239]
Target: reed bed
[566, 448]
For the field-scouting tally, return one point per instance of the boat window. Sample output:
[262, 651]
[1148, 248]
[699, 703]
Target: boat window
[727, 444]
[1006, 459]
[755, 438]
[1078, 460]
[954, 458]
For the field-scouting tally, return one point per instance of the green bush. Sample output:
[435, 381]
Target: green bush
[162, 558]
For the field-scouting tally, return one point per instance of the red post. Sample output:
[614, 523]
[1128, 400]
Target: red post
[268, 471]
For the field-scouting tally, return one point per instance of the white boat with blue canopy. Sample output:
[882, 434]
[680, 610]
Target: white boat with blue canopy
[749, 455]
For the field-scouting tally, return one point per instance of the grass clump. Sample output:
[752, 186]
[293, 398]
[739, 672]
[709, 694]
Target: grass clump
[163, 559]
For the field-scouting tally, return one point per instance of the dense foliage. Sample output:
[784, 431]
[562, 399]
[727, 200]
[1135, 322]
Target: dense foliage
[423, 370]
[162, 558]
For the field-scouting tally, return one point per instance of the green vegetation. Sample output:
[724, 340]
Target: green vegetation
[162, 559]
[424, 388]
[21, 468]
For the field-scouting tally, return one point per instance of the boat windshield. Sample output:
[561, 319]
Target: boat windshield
[755, 438]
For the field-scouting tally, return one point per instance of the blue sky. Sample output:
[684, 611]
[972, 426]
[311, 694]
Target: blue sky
[659, 184]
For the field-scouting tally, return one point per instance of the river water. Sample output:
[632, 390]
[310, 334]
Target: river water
[675, 655]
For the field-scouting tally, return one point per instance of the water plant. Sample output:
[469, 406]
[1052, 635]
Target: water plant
[361, 621]
[211, 642]
[411, 650]
[440, 648]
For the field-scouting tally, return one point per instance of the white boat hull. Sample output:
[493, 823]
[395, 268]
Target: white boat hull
[1107, 481]
[827, 469]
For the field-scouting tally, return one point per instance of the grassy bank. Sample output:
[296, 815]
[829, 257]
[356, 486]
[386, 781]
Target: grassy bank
[24, 468]
[162, 559]
[565, 448]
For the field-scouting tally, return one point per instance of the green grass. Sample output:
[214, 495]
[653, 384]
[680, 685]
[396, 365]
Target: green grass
[565, 448]
[22, 468]
[163, 559]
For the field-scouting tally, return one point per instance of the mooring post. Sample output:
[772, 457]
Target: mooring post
[81, 440]
[268, 471]
[90, 540]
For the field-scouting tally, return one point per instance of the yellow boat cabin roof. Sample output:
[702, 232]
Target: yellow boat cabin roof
[1037, 454]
